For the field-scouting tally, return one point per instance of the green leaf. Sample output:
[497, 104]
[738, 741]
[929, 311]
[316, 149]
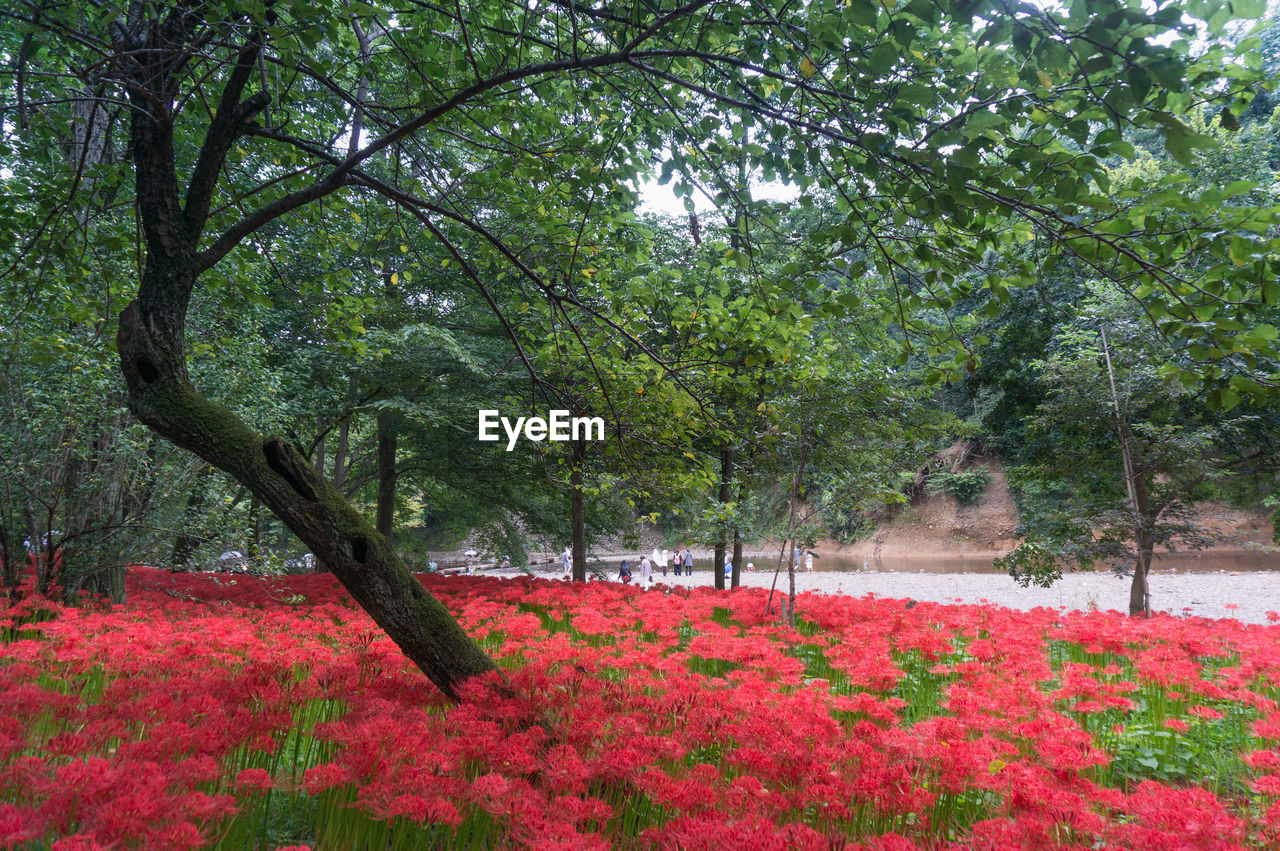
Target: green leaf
[1249, 386]
[1248, 9]
[1140, 82]
[1179, 148]
[862, 12]
[980, 121]
[849, 300]
[1223, 399]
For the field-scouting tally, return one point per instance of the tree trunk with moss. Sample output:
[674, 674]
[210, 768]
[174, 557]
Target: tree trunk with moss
[152, 352]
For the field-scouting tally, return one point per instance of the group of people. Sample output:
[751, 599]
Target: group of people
[680, 561]
[683, 559]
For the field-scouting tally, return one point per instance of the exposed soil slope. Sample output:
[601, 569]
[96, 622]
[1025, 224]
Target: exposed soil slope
[940, 527]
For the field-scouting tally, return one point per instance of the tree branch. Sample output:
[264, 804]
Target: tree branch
[337, 178]
[227, 124]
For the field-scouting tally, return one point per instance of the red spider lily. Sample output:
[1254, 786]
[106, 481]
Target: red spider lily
[253, 780]
[1167, 818]
[18, 824]
[680, 719]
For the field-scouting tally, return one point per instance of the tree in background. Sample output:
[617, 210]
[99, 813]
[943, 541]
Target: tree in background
[1129, 455]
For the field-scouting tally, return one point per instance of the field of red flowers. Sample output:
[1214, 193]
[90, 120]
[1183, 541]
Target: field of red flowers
[239, 713]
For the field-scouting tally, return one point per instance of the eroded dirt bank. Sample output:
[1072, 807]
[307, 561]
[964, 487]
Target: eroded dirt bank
[939, 527]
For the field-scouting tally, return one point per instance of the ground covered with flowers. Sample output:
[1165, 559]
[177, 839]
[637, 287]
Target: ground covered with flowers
[239, 713]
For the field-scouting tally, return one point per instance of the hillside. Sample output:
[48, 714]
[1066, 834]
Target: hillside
[932, 527]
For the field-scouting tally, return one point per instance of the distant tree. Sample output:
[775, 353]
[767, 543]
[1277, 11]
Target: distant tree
[1123, 469]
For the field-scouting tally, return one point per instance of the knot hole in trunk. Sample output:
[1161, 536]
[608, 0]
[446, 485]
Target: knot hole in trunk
[146, 370]
[135, 346]
[285, 463]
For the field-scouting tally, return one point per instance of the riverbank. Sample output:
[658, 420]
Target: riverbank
[1245, 596]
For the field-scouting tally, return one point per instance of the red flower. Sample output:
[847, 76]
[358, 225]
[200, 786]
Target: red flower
[17, 825]
[326, 776]
[253, 780]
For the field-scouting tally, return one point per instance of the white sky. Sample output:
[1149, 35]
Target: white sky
[661, 200]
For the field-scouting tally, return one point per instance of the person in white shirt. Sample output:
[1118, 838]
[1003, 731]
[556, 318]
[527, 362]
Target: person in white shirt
[567, 558]
[663, 558]
[808, 561]
[646, 570]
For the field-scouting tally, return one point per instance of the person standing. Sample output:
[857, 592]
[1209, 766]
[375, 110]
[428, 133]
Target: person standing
[646, 571]
[663, 558]
[688, 561]
[728, 568]
[566, 558]
[679, 560]
[808, 561]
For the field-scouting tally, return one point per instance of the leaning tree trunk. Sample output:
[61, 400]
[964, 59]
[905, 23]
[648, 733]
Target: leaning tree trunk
[1136, 486]
[153, 357]
[363, 561]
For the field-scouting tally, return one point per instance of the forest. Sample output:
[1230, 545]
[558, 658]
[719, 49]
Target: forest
[267, 265]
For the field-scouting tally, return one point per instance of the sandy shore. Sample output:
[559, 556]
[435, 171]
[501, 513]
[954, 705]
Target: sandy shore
[1245, 596]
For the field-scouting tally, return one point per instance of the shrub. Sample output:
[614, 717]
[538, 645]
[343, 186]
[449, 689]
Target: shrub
[965, 486]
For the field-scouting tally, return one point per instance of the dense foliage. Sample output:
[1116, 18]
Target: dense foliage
[479, 245]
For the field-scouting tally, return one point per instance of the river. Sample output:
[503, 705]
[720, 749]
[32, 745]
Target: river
[1184, 562]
